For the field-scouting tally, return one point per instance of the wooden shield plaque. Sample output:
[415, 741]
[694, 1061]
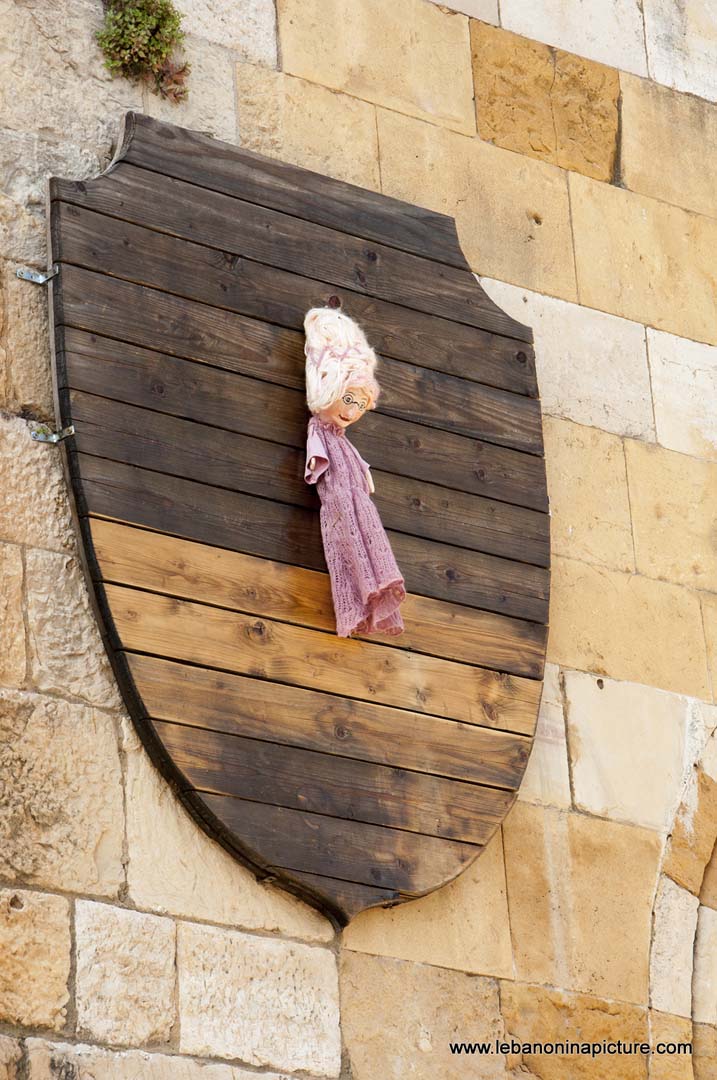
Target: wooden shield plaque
[355, 772]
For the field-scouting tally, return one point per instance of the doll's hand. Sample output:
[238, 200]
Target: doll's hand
[371, 485]
[312, 463]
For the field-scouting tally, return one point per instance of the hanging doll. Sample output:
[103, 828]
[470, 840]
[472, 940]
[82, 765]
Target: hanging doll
[367, 586]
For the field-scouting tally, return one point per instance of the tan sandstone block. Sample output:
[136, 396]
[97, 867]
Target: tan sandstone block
[580, 895]
[709, 617]
[626, 626]
[704, 1060]
[35, 951]
[61, 815]
[587, 486]
[704, 980]
[635, 255]
[544, 102]
[512, 212]
[398, 1019]
[25, 339]
[409, 56]
[210, 105]
[673, 942]
[535, 1014]
[694, 833]
[12, 627]
[673, 498]
[666, 1028]
[463, 926]
[304, 123]
[10, 1058]
[34, 507]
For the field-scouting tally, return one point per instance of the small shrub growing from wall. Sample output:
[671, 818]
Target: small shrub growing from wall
[138, 38]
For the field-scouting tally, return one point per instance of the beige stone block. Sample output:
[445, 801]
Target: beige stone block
[10, 1058]
[587, 487]
[13, 658]
[704, 980]
[248, 29]
[61, 815]
[409, 56]
[546, 780]
[70, 1061]
[25, 340]
[210, 104]
[67, 655]
[487, 10]
[125, 974]
[667, 1029]
[398, 1019]
[580, 895]
[704, 1051]
[267, 1002]
[463, 926]
[35, 950]
[634, 255]
[627, 748]
[684, 388]
[534, 1014]
[34, 508]
[709, 616]
[172, 860]
[512, 212]
[304, 123]
[544, 102]
[694, 833]
[626, 626]
[671, 956]
[681, 40]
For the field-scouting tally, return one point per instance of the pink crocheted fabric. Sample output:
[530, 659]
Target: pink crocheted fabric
[366, 584]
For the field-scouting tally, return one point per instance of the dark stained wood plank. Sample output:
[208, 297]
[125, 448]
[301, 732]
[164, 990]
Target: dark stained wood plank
[368, 854]
[247, 645]
[240, 705]
[213, 276]
[176, 567]
[354, 790]
[291, 534]
[350, 897]
[233, 401]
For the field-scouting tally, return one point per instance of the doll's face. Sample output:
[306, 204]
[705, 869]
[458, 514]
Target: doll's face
[349, 408]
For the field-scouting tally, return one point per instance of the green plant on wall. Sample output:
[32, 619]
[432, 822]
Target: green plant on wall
[138, 38]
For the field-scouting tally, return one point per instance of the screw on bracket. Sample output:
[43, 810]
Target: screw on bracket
[44, 434]
[28, 274]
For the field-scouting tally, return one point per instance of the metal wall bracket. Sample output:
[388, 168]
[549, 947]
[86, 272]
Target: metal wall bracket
[39, 278]
[43, 434]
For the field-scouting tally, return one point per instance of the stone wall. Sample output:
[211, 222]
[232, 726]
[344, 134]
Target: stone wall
[578, 159]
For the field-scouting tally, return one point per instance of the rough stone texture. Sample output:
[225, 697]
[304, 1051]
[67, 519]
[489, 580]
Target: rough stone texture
[33, 508]
[672, 499]
[24, 339]
[463, 925]
[10, 1055]
[587, 486]
[248, 29]
[13, 658]
[61, 817]
[705, 1052]
[623, 625]
[544, 102]
[592, 367]
[210, 104]
[398, 1019]
[704, 980]
[681, 39]
[487, 10]
[546, 780]
[298, 121]
[684, 386]
[35, 950]
[512, 212]
[670, 1029]
[675, 922]
[268, 1003]
[613, 726]
[175, 867]
[580, 895]
[409, 56]
[612, 34]
[709, 616]
[535, 1014]
[635, 255]
[67, 655]
[694, 833]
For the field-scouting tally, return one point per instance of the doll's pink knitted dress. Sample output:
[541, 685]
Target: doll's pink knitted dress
[366, 584]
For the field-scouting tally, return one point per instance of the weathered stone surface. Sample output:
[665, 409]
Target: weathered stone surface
[587, 486]
[544, 102]
[580, 895]
[35, 950]
[268, 1003]
[512, 212]
[705, 1051]
[175, 867]
[67, 655]
[708, 889]
[592, 367]
[299, 121]
[10, 1056]
[672, 498]
[623, 625]
[612, 35]
[709, 615]
[667, 1029]
[704, 979]
[463, 926]
[487, 10]
[611, 727]
[675, 922]
[33, 509]
[249, 29]
[398, 1019]
[409, 56]
[546, 780]
[210, 104]
[684, 386]
[25, 340]
[694, 833]
[125, 974]
[61, 816]
[12, 628]
[534, 1014]
[634, 255]
[681, 40]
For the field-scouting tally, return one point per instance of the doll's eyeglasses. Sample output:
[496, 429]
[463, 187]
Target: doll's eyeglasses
[348, 399]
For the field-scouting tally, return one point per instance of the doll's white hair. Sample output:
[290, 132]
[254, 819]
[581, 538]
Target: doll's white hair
[337, 356]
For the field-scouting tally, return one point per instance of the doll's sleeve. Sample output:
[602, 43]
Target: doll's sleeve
[316, 449]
